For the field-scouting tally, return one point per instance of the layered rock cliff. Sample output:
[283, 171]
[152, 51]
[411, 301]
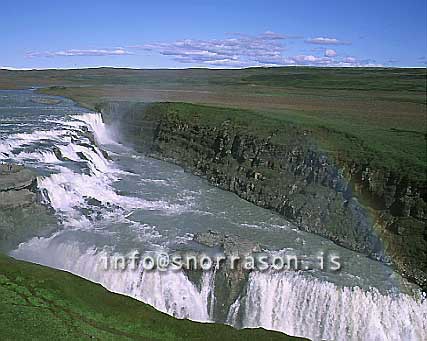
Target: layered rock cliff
[369, 210]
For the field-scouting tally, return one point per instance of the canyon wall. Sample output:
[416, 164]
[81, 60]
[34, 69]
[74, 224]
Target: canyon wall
[367, 210]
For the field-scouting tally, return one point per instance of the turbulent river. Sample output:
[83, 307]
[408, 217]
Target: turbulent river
[131, 202]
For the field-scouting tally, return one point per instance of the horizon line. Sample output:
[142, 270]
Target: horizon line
[11, 68]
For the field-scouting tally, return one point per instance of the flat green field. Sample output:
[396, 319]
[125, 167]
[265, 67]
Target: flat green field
[372, 116]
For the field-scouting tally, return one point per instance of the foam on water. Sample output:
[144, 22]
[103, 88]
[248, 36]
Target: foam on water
[24, 140]
[299, 305]
[67, 189]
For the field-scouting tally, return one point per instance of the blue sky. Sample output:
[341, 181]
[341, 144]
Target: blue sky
[180, 34]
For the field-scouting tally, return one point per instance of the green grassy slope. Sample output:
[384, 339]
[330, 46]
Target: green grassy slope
[38, 303]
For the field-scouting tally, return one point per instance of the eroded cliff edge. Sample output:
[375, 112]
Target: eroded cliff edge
[367, 209]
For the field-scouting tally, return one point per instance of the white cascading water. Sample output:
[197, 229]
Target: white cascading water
[293, 303]
[303, 306]
[168, 291]
[67, 190]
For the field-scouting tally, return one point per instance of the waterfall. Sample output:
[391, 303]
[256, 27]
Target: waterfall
[289, 302]
[303, 306]
[168, 291]
[95, 123]
[294, 303]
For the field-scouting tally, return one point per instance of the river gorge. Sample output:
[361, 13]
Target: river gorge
[108, 198]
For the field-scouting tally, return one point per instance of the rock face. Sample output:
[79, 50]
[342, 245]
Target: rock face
[229, 282]
[295, 179]
[15, 177]
[229, 243]
[21, 214]
[17, 186]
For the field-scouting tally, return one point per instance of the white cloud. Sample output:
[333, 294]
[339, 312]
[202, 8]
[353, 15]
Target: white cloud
[74, 53]
[355, 62]
[235, 51]
[327, 41]
[240, 50]
[228, 63]
[11, 68]
[349, 60]
[330, 53]
[311, 60]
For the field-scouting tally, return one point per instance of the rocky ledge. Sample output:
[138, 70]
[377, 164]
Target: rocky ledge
[22, 216]
[17, 186]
